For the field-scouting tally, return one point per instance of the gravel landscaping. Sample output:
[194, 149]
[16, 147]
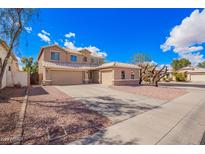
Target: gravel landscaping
[10, 104]
[162, 93]
[53, 117]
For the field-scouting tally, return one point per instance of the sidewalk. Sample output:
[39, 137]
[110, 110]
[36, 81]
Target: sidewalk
[180, 121]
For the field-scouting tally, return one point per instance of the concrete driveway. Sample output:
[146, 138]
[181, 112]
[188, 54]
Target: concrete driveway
[116, 105]
[179, 121]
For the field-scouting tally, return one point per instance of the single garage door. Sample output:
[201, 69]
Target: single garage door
[198, 78]
[107, 77]
[66, 77]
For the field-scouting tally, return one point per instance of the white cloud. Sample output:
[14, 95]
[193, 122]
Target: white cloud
[70, 34]
[44, 37]
[56, 43]
[28, 29]
[195, 58]
[94, 50]
[102, 54]
[187, 38]
[45, 33]
[69, 45]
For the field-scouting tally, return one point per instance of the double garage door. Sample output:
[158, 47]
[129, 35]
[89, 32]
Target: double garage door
[66, 77]
[198, 77]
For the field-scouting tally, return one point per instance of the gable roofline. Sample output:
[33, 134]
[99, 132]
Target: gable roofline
[48, 46]
[5, 46]
[63, 65]
[119, 64]
[71, 51]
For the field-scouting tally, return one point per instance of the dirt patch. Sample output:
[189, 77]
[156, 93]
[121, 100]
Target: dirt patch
[11, 100]
[50, 110]
[162, 93]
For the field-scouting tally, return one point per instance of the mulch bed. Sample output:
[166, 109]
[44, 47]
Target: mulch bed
[11, 100]
[52, 117]
[162, 93]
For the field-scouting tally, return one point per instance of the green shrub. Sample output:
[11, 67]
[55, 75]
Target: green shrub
[180, 76]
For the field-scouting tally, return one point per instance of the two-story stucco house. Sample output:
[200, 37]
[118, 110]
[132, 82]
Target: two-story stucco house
[63, 66]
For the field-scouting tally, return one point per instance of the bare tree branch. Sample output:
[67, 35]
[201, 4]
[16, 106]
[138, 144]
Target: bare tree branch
[11, 25]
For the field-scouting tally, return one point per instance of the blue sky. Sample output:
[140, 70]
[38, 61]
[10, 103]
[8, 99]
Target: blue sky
[119, 33]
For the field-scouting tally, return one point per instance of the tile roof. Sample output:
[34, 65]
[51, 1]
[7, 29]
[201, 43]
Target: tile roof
[61, 65]
[118, 64]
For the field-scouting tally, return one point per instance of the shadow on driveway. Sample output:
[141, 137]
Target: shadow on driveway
[116, 109]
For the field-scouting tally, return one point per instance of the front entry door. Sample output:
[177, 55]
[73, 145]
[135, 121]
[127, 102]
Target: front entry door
[90, 76]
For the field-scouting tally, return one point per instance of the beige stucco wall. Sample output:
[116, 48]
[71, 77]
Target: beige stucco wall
[40, 67]
[12, 64]
[47, 54]
[66, 56]
[21, 78]
[113, 76]
[117, 73]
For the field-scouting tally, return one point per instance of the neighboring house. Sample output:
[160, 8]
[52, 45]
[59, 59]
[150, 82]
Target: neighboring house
[194, 74]
[12, 75]
[63, 66]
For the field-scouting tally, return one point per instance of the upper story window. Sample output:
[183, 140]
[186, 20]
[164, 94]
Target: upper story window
[132, 75]
[73, 58]
[55, 56]
[85, 59]
[122, 74]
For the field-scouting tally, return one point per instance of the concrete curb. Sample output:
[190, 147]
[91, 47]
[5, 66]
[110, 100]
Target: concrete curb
[19, 125]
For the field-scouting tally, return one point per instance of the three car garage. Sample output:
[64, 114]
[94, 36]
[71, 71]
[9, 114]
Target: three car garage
[107, 74]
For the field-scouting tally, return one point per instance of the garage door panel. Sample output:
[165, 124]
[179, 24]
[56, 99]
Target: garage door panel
[198, 78]
[66, 77]
[107, 77]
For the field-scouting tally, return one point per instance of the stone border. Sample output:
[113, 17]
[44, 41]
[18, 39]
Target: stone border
[19, 125]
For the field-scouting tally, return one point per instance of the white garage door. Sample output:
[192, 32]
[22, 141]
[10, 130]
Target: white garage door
[66, 77]
[107, 77]
[198, 78]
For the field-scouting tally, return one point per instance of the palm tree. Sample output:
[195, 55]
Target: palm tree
[29, 67]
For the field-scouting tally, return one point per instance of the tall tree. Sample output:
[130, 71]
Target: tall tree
[140, 58]
[180, 63]
[201, 65]
[12, 22]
